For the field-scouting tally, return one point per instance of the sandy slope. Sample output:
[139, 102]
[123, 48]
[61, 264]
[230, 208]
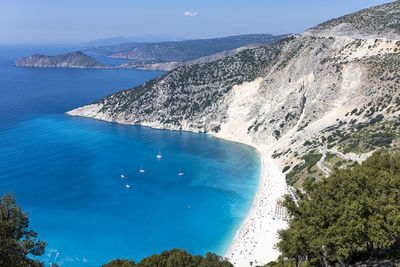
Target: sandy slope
[255, 240]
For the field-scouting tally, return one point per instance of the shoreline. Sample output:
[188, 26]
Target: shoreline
[256, 237]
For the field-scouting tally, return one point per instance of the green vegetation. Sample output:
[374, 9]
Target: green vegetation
[175, 258]
[17, 242]
[333, 161]
[304, 169]
[285, 169]
[368, 136]
[352, 215]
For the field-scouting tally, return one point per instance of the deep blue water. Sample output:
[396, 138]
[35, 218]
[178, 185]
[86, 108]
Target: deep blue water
[65, 171]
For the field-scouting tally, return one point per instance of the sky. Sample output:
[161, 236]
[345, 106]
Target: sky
[77, 21]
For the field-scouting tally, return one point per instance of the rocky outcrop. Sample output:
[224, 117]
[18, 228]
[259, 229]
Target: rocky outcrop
[74, 59]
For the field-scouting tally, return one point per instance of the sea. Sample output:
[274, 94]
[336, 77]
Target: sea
[66, 171]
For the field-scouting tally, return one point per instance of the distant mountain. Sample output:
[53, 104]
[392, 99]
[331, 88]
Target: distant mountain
[109, 41]
[167, 66]
[181, 50]
[135, 39]
[167, 55]
[75, 59]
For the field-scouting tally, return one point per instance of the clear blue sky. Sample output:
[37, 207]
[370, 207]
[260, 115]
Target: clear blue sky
[75, 21]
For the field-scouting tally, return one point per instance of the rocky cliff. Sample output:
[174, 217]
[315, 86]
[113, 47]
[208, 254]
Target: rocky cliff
[293, 94]
[74, 59]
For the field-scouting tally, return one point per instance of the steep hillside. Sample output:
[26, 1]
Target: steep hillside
[180, 51]
[167, 66]
[74, 59]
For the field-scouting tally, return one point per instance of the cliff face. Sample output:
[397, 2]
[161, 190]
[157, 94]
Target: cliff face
[301, 88]
[75, 59]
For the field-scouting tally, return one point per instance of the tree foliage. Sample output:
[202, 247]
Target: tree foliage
[174, 258]
[16, 240]
[354, 213]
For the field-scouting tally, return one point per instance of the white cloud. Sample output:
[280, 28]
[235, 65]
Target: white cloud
[190, 14]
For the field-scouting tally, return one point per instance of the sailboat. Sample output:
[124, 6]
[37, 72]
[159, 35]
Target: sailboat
[180, 173]
[159, 156]
[141, 170]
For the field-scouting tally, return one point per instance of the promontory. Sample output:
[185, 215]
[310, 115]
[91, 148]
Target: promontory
[74, 59]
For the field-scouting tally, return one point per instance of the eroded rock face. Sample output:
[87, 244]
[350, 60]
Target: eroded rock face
[74, 59]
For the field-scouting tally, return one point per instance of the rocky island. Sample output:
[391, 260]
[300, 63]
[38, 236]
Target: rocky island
[75, 59]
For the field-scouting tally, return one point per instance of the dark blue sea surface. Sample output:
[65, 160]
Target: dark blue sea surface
[65, 171]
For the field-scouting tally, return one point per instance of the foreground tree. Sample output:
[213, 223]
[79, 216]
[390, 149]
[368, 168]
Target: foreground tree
[17, 242]
[353, 214]
[174, 258]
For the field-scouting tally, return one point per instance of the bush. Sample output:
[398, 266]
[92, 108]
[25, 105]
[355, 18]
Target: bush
[285, 169]
[376, 119]
[382, 139]
[354, 111]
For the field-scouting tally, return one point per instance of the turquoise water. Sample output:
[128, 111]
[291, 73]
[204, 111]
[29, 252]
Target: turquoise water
[66, 171]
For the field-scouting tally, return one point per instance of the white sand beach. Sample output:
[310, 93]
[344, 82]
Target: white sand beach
[255, 240]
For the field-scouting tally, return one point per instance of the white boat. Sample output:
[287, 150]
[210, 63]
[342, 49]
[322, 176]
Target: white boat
[123, 176]
[180, 173]
[127, 185]
[141, 170]
[159, 156]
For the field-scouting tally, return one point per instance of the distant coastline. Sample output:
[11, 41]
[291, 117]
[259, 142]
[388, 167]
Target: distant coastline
[78, 59]
[161, 56]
